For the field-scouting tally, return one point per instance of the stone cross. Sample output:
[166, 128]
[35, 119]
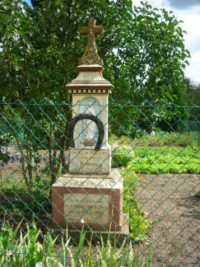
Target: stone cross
[91, 31]
[91, 54]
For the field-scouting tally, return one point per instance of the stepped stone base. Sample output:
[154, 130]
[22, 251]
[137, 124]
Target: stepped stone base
[115, 237]
[92, 202]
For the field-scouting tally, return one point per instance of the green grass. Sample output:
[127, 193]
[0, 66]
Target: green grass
[25, 248]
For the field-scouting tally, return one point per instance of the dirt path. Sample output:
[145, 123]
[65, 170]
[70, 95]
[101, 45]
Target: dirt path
[170, 201]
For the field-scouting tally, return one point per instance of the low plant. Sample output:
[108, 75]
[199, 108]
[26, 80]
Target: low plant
[166, 160]
[22, 249]
[166, 139]
[139, 225]
[121, 156]
[160, 138]
[109, 256]
[122, 140]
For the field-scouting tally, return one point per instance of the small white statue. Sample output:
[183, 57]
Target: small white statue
[90, 128]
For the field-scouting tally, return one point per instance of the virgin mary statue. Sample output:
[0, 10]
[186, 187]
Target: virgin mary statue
[90, 128]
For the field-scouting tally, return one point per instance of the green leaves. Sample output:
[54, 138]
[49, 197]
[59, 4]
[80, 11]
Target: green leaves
[23, 249]
[142, 48]
[166, 160]
[122, 155]
[19, 249]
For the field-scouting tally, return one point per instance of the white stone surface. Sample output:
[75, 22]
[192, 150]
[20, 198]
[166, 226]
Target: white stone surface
[89, 75]
[88, 129]
[112, 180]
[86, 208]
[86, 161]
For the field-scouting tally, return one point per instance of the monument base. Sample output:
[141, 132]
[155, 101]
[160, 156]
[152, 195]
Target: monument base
[89, 202]
[94, 236]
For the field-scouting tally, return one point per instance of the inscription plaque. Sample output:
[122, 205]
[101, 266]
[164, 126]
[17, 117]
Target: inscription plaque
[89, 161]
[91, 208]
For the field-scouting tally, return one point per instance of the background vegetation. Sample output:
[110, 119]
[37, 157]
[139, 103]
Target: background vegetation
[144, 58]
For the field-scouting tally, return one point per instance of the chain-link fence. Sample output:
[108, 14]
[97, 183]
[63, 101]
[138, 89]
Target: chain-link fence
[157, 158]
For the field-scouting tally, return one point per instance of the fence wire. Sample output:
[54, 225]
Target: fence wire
[157, 155]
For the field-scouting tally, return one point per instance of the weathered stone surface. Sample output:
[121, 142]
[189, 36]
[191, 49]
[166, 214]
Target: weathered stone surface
[89, 81]
[86, 208]
[92, 201]
[112, 180]
[91, 54]
[88, 161]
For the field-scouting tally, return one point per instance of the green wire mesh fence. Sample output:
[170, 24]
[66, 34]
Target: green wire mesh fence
[157, 155]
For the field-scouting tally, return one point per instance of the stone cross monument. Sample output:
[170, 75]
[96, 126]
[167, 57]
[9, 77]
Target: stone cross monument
[90, 195]
[91, 54]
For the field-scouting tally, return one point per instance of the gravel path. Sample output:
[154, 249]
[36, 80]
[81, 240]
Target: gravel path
[170, 201]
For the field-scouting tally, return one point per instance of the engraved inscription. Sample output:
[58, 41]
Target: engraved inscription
[90, 161]
[91, 208]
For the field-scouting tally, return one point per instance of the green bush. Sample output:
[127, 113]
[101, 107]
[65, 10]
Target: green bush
[122, 155]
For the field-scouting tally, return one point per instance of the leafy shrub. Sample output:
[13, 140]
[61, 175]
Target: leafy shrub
[122, 155]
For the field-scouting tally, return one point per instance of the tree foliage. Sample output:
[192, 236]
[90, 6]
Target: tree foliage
[193, 99]
[142, 49]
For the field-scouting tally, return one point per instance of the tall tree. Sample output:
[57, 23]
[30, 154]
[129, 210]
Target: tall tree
[142, 49]
[193, 100]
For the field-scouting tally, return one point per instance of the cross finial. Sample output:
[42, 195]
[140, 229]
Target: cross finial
[91, 54]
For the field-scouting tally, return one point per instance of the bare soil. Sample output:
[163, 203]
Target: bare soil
[171, 202]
